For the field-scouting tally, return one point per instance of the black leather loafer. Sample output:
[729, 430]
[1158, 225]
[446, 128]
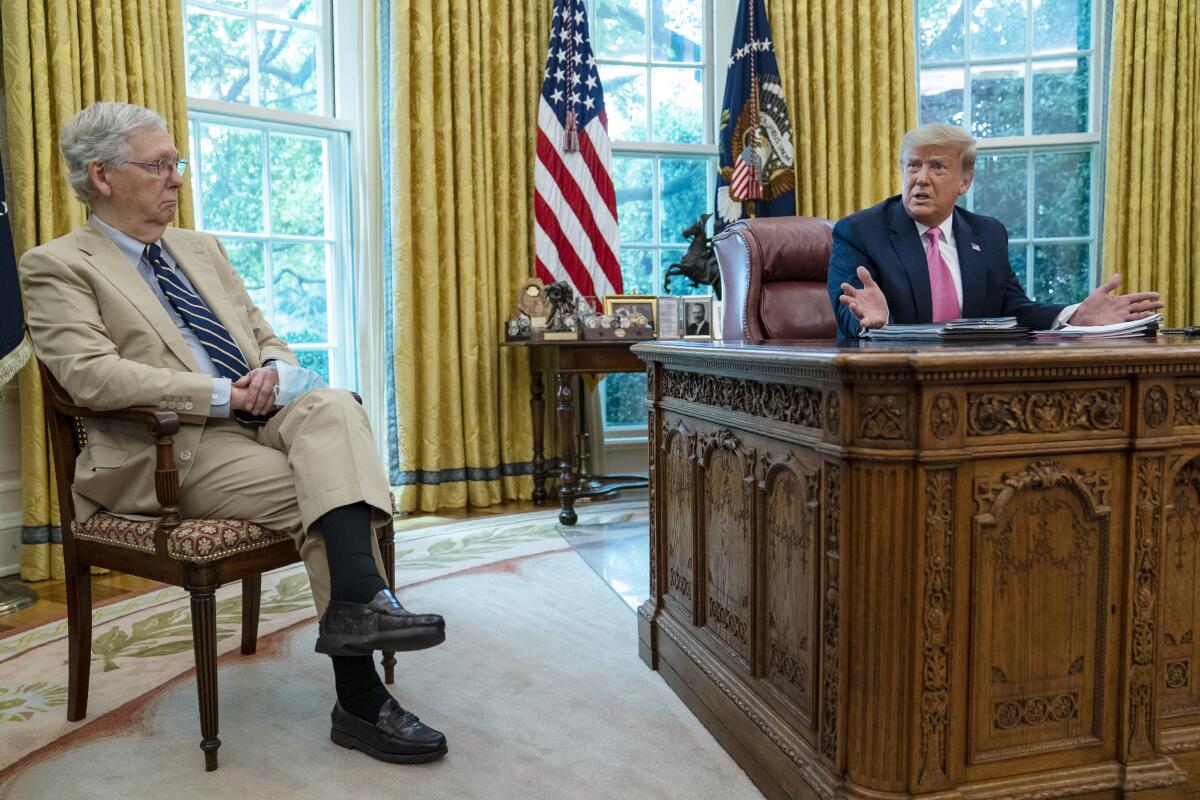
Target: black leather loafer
[356, 629]
[397, 736]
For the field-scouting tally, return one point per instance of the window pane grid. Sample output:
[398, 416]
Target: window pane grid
[1044, 194]
[270, 245]
[298, 62]
[655, 60]
[258, 16]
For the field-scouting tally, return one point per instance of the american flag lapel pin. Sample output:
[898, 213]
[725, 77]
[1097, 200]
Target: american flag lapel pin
[976, 247]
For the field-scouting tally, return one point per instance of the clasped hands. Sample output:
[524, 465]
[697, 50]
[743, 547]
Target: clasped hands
[255, 391]
[1101, 307]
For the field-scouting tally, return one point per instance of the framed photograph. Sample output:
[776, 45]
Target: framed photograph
[697, 317]
[633, 304]
[669, 319]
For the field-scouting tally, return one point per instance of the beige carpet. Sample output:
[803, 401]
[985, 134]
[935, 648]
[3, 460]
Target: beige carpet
[538, 688]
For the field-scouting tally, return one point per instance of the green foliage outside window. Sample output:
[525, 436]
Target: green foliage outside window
[264, 191]
[1021, 69]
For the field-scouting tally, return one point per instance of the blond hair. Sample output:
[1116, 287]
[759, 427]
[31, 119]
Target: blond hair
[939, 135]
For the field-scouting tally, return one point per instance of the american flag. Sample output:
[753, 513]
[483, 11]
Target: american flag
[574, 202]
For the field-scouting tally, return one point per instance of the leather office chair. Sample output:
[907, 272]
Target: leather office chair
[198, 554]
[773, 272]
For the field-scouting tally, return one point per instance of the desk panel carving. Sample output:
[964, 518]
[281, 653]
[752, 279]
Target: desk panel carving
[795, 405]
[1040, 597]
[676, 525]
[791, 510]
[725, 527]
[1181, 601]
[926, 583]
[1042, 412]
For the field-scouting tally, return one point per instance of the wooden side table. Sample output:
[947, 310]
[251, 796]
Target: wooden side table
[563, 361]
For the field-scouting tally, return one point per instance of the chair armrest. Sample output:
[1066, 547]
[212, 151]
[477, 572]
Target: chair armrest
[157, 422]
[161, 426]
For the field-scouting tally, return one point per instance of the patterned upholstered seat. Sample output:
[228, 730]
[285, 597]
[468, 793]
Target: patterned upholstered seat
[196, 540]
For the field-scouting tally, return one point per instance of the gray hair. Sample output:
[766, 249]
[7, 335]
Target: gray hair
[939, 135]
[101, 132]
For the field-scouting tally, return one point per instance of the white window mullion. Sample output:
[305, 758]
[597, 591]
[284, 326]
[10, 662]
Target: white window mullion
[268, 229]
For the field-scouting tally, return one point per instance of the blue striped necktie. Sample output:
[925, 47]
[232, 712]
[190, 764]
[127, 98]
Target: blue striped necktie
[213, 336]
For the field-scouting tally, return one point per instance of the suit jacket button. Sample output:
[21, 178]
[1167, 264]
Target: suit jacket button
[186, 455]
[162, 403]
[188, 406]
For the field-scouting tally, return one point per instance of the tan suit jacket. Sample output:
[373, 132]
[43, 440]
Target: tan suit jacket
[107, 339]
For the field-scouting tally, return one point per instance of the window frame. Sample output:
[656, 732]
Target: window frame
[323, 29]
[708, 149]
[1032, 144]
[341, 133]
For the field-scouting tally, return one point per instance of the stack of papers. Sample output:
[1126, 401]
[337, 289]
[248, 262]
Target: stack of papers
[984, 329]
[1117, 330]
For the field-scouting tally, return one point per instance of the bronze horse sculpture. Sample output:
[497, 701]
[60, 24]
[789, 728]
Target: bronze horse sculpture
[699, 263]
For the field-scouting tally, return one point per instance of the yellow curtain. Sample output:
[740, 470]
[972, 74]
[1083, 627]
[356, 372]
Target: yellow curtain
[1152, 184]
[61, 56]
[461, 83]
[849, 74]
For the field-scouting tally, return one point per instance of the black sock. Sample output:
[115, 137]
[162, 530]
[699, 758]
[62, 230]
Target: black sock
[353, 574]
[359, 690]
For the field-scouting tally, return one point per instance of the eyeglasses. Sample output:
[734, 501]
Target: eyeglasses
[164, 166]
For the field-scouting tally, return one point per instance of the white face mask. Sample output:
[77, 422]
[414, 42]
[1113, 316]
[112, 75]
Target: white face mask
[295, 381]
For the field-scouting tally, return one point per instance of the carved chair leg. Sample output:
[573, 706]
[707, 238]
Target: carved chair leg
[79, 638]
[204, 639]
[387, 549]
[251, 602]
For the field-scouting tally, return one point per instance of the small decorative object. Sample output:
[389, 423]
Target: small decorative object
[631, 316]
[561, 325]
[517, 328]
[697, 317]
[699, 263]
[532, 302]
[669, 311]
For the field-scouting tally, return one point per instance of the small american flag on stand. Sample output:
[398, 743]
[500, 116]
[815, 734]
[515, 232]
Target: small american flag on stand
[574, 202]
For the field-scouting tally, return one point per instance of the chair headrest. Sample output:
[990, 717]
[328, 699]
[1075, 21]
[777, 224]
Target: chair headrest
[787, 248]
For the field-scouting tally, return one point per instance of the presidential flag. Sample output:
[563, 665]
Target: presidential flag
[574, 201]
[756, 177]
[14, 347]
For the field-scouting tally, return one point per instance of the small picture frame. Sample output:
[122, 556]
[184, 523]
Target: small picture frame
[644, 305]
[698, 317]
[669, 310]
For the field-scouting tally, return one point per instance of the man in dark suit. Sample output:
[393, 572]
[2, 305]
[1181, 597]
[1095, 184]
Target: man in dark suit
[697, 322]
[917, 258]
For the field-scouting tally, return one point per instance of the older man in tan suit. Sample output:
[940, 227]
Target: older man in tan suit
[124, 312]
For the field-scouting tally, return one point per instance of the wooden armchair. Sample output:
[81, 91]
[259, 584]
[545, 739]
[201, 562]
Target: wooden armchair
[198, 554]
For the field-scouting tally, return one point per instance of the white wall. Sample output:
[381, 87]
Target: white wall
[10, 479]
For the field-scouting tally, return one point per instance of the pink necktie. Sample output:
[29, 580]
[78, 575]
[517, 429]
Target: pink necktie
[941, 283]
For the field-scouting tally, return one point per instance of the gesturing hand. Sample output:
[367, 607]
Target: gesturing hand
[867, 303]
[254, 391]
[1102, 307]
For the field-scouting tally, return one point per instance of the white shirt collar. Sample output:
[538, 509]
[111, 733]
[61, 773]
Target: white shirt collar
[131, 247]
[947, 227]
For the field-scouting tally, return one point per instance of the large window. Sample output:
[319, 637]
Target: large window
[271, 167]
[1022, 76]
[655, 61]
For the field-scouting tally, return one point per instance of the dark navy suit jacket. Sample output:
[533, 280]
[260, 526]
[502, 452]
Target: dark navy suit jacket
[884, 239]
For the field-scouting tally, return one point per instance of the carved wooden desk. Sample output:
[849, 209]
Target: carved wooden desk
[879, 571]
[565, 360]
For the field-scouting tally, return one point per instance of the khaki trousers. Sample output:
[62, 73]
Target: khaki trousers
[315, 455]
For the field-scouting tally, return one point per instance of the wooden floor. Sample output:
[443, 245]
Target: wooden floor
[52, 600]
[52, 595]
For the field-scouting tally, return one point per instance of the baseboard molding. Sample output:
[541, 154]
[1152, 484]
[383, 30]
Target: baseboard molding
[10, 544]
